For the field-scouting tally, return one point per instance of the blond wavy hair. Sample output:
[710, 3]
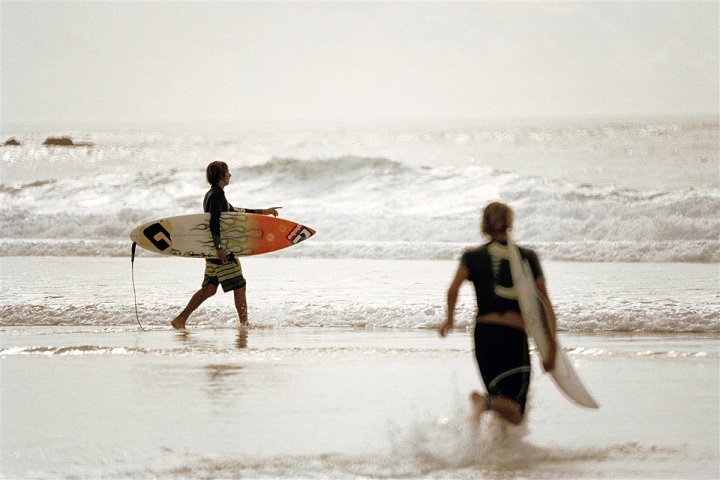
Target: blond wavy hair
[497, 219]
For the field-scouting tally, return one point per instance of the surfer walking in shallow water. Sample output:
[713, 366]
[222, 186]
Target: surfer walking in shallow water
[501, 343]
[226, 269]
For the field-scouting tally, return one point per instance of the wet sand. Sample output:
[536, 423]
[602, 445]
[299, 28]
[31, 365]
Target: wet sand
[114, 402]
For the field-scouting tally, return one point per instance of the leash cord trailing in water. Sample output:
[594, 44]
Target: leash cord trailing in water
[132, 270]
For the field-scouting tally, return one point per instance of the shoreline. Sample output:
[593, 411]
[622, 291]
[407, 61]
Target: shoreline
[567, 337]
[344, 376]
[288, 292]
[342, 403]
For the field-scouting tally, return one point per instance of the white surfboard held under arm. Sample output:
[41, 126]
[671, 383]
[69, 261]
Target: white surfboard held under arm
[241, 234]
[564, 374]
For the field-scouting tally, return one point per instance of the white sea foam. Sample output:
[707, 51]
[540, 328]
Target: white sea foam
[372, 207]
[611, 192]
[349, 293]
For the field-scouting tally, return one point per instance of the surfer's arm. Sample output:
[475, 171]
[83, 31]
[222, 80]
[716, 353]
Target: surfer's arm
[260, 211]
[215, 204]
[461, 275]
[215, 226]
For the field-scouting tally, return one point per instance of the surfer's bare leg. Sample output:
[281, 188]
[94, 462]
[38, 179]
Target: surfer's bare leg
[241, 305]
[196, 300]
[506, 407]
[479, 405]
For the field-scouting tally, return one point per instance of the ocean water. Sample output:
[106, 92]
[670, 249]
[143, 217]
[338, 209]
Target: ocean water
[614, 203]
[283, 292]
[342, 374]
[583, 191]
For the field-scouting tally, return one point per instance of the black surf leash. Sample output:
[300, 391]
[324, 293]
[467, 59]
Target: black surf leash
[132, 270]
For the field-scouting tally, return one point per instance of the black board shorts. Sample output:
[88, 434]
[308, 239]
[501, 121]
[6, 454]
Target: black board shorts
[503, 356]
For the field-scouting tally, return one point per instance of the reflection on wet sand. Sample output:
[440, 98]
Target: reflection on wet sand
[242, 338]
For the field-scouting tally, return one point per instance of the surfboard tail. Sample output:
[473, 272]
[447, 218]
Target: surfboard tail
[531, 306]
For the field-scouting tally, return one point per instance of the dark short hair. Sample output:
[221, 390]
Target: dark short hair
[215, 172]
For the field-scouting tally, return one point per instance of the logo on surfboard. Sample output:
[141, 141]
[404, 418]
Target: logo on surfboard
[299, 233]
[158, 236]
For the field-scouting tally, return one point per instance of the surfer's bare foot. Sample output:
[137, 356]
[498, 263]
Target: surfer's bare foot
[479, 404]
[178, 323]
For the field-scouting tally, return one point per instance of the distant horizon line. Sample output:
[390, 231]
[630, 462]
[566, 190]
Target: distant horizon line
[9, 128]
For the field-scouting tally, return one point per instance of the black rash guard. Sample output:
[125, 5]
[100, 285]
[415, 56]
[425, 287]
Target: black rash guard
[216, 203]
[488, 271]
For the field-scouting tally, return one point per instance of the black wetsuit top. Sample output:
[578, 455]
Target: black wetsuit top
[216, 203]
[488, 271]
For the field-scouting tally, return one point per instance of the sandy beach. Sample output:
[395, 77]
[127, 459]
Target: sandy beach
[114, 402]
[344, 376]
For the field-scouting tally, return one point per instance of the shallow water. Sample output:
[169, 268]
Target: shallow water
[588, 297]
[340, 403]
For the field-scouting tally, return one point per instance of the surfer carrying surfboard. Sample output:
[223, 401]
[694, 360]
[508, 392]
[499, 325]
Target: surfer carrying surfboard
[226, 269]
[501, 342]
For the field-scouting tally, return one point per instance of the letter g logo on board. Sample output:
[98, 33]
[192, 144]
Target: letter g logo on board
[158, 236]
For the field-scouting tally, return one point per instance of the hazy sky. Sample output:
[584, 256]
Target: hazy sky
[82, 62]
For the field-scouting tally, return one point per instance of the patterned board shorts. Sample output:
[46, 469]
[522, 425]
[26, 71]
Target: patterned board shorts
[229, 275]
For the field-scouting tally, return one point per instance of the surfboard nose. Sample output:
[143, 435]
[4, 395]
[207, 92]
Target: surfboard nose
[300, 233]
